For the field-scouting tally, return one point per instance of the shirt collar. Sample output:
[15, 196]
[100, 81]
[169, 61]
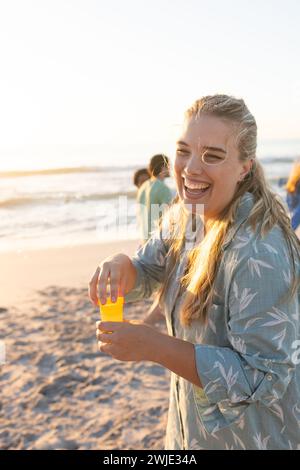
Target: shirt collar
[244, 208]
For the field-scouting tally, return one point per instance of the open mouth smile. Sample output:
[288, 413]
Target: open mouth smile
[195, 190]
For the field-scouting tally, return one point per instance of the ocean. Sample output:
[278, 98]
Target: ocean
[71, 206]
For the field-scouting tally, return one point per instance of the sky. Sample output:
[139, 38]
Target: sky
[107, 82]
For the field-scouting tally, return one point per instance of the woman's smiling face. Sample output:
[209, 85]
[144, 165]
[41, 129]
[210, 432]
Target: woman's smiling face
[211, 182]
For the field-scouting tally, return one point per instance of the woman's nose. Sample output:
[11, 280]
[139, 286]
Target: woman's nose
[194, 164]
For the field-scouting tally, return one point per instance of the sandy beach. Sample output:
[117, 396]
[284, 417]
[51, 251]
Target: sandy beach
[57, 391]
[25, 272]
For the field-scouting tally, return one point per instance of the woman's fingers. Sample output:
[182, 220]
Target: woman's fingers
[93, 287]
[114, 283]
[104, 337]
[102, 347]
[110, 272]
[102, 282]
[121, 291]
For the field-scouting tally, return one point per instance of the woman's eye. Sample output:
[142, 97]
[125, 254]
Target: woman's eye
[182, 152]
[209, 158]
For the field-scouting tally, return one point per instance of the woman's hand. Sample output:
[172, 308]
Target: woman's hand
[134, 341]
[127, 341]
[118, 272]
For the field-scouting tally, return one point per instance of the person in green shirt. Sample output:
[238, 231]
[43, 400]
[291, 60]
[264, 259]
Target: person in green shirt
[153, 196]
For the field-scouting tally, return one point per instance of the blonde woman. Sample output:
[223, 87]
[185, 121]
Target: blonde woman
[231, 301]
[293, 195]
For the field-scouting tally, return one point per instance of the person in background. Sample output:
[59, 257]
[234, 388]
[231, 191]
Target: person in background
[140, 176]
[293, 195]
[153, 191]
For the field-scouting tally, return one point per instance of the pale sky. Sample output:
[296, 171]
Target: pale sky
[107, 82]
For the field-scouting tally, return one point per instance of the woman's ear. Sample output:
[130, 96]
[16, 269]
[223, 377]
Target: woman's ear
[246, 168]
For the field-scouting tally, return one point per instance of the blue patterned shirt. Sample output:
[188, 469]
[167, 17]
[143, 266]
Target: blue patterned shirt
[248, 353]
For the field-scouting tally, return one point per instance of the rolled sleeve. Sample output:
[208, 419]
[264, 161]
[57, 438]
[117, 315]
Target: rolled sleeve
[221, 374]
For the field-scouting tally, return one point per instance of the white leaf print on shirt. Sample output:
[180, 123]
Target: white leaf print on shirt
[235, 290]
[238, 344]
[279, 317]
[295, 316]
[194, 445]
[254, 266]
[245, 298]
[251, 322]
[220, 354]
[280, 336]
[255, 376]
[277, 410]
[287, 277]
[212, 386]
[254, 245]
[229, 378]
[242, 241]
[282, 430]
[261, 442]
[212, 325]
[296, 413]
[199, 337]
[216, 429]
[286, 255]
[241, 423]
[235, 398]
[238, 441]
[210, 410]
[270, 248]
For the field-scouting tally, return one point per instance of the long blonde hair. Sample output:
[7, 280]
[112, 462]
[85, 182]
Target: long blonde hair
[268, 210]
[294, 178]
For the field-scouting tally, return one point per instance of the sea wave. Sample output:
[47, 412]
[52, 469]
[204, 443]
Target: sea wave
[63, 171]
[269, 159]
[277, 160]
[62, 198]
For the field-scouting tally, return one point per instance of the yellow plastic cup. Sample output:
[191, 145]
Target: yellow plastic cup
[112, 311]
